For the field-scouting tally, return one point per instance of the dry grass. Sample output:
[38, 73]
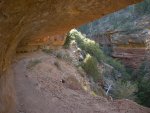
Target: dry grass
[33, 63]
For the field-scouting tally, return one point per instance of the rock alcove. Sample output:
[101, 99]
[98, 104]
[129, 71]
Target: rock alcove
[24, 20]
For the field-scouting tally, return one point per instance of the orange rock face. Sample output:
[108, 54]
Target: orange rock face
[41, 43]
[131, 57]
[24, 20]
[131, 49]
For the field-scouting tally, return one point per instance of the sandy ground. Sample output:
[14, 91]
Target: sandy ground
[47, 88]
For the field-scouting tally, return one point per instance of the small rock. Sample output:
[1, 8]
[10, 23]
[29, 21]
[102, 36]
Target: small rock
[63, 81]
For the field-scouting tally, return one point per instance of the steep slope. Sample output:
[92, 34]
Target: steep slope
[126, 33]
[130, 46]
[40, 89]
[26, 20]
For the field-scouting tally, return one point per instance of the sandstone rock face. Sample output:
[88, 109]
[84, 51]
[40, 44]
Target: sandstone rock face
[131, 48]
[26, 20]
[23, 20]
[41, 43]
[131, 45]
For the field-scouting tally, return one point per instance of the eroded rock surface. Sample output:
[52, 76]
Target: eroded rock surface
[132, 46]
[26, 20]
[23, 20]
[39, 88]
[42, 43]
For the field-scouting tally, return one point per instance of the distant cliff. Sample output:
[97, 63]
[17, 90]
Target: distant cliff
[124, 35]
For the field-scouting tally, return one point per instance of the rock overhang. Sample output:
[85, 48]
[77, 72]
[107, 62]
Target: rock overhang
[23, 20]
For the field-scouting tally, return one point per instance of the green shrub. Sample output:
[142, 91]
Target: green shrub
[64, 56]
[90, 67]
[143, 70]
[81, 71]
[87, 45]
[118, 66]
[67, 42]
[59, 55]
[143, 78]
[143, 7]
[143, 93]
[93, 48]
[124, 90]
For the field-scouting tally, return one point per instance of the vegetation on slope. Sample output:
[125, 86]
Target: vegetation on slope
[121, 20]
[143, 80]
[125, 20]
[135, 87]
[90, 67]
[94, 49]
[93, 57]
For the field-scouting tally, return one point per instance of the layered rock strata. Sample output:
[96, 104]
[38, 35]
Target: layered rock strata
[23, 20]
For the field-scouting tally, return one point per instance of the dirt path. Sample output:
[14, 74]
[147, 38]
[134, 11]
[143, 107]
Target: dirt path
[40, 90]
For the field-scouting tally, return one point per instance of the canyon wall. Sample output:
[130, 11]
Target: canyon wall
[26, 20]
[131, 47]
[41, 43]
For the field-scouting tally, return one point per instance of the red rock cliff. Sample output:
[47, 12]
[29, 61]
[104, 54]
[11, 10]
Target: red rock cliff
[23, 20]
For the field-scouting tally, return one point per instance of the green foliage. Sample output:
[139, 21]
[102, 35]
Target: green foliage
[64, 56]
[90, 67]
[67, 42]
[143, 93]
[92, 48]
[142, 71]
[59, 55]
[107, 50]
[118, 66]
[121, 20]
[143, 8]
[130, 71]
[143, 78]
[87, 45]
[124, 90]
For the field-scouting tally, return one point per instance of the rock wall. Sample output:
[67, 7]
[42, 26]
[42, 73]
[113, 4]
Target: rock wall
[131, 48]
[23, 20]
[7, 93]
[41, 43]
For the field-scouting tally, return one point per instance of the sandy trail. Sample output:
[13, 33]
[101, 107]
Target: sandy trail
[39, 90]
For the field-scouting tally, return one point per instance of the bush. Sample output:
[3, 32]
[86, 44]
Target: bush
[93, 48]
[87, 45]
[143, 93]
[143, 7]
[59, 55]
[90, 67]
[67, 42]
[143, 70]
[143, 78]
[64, 56]
[118, 66]
[124, 90]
